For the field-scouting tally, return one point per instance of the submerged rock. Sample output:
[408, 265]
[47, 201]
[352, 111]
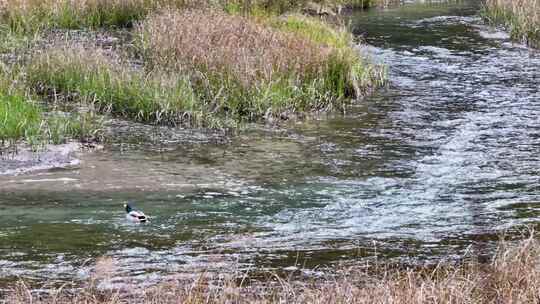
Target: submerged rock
[22, 159]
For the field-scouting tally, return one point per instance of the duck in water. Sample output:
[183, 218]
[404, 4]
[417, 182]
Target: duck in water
[134, 215]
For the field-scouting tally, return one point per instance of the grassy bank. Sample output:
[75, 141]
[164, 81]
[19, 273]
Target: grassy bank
[251, 70]
[33, 15]
[520, 17]
[513, 276]
[23, 120]
[113, 86]
[208, 68]
[189, 62]
[26, 16]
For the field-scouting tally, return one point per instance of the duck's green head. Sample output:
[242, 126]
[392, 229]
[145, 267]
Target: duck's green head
[128, 207]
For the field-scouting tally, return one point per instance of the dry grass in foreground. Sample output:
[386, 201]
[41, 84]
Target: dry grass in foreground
[513, 276]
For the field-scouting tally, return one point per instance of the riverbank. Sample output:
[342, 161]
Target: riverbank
[186, 64]
[23, 119]
[521, 18]
[169, 71]
[512, 276]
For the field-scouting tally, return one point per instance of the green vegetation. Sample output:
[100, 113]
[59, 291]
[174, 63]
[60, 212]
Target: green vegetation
[23, 119]
[207, 68]
[194, 64]
[18, 119]
[363, 75]
[30, 16]
[249, 70]
[283, 6]
[112, 86]
[314, 29]
[520, 17]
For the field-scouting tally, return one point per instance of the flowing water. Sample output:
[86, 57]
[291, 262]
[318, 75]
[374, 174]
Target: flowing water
[430, 168]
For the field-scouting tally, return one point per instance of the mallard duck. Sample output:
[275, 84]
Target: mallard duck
[134, 215]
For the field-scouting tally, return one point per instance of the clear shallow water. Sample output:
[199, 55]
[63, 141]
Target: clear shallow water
[428, 169]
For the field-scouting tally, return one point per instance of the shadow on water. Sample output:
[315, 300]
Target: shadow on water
[431, 168]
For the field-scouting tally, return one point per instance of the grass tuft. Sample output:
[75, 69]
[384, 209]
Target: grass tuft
[313, 29]
[18, 119]
[520, 17]
[29, 16]
[92, 76]
[22, 119]
[249, 70]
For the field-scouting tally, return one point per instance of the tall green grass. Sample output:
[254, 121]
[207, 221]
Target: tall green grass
[18, 119]
[211, 99]
[30, 16]
[114, 87]
[22, 119]
[27, 16]
[351, 73]
[313, 29]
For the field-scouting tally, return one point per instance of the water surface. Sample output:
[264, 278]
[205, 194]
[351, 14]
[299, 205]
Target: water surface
[430, 168]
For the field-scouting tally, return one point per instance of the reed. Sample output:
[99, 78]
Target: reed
[520, 17]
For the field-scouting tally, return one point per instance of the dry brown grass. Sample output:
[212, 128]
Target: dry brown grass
[213, 41]
[513, 277]
[250, 70]
[521, 17]
[205, 68]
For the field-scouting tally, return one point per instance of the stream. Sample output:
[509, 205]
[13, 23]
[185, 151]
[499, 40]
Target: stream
[433, 167]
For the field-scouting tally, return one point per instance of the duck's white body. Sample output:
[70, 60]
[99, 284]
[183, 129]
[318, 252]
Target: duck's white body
[135, 216]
